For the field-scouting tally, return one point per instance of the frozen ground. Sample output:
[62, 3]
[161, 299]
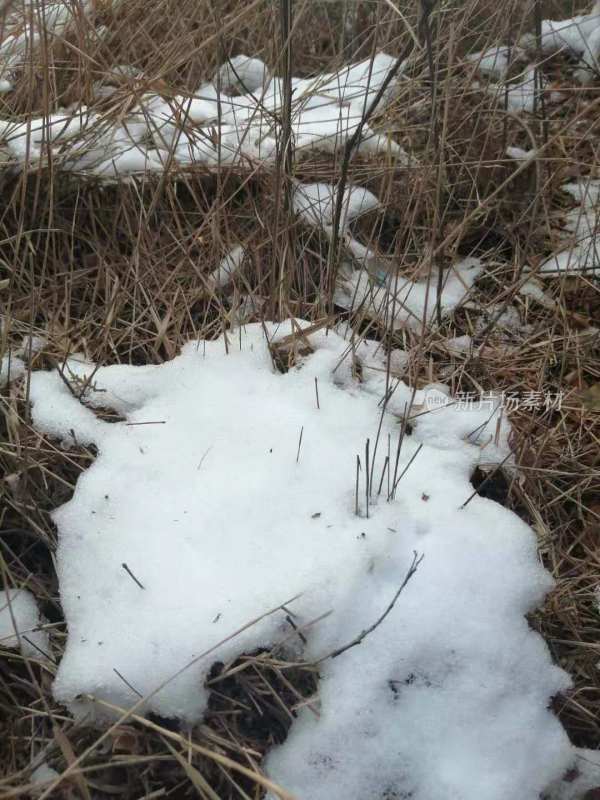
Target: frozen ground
[229, 489]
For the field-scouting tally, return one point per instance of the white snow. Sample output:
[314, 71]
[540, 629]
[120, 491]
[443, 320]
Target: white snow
[19, 624]
[459, 345]
[43, 774]
[495, 61]
[586, 191]
[579, 35]
[519, 154]
[27, 23]
[521, 94]
[398, 302]
[11, 368]
[224, 274]
[533, 289]
[211, 127]
[582, 255]
[242, 74]
[374, 289]
[586, 767]
[226, 491]
[315, 203]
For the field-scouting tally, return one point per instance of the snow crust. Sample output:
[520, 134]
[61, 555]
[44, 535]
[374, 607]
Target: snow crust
[227, 491]
[210, 127]
[19, 624]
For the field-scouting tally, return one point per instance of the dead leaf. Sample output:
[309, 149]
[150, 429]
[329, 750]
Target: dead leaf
[70, 758]
[125, 740]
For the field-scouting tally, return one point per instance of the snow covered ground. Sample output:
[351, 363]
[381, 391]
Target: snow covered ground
[230, 488]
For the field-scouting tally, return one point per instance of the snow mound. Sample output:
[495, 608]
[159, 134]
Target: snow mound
[211, 127]
[227, 490]
[19, 624]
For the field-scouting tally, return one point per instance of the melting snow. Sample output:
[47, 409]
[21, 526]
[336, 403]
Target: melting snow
[27, 25]
[521, 94]
[315, 203]
[210, 127]
[226, 492]
[579, 35]
[398, 302]
[518, 154]
[495, 61]
[582, 226]
[11, 368]
[43, 774]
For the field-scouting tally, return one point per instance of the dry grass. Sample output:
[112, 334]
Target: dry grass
[120, 273]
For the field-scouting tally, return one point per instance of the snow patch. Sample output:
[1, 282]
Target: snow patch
[227, 491]
[495, 61]
[11, 368]
[19, 624]
[44, 774]
[582, 255]
[315, 203]
[397, 302]
[211, 128]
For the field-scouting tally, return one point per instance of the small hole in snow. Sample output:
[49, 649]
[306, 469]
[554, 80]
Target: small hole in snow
[168, 723]
[493, 486]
